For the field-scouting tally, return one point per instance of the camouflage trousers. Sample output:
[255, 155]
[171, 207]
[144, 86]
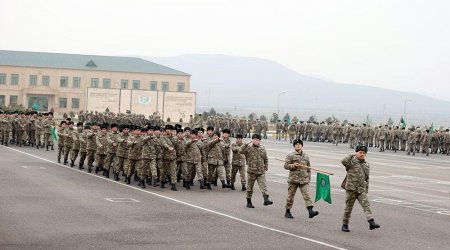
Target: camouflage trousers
[159, 167]
[67, 150]
[131, 165]
[382, 144]
[234, 170]
[227, 167]
[147, 168]
[412, 147]
[118, 164]
[261, 179]
[48, 141]
[74, 155]
[352, 141]
[403, 145]
[292, 189]
[351, 197]
[38, 138]
[194, 169]
[205, 169]
[169, 167]
[220, 172]
[109, 161]
[60, 152]
[278, 134]
[100, 159]
[83, 155]
[182, 169]
[90, 157]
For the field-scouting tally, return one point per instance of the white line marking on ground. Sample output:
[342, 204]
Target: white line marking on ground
[24, 166]
[188, 204]
[121, 200]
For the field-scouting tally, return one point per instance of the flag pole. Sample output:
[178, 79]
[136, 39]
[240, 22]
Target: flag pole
[315, 169]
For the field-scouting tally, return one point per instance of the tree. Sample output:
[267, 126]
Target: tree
[312, 118]
[390, 122]
[252, 116]
[274, 118]
[263, 118]
[287, 117]
[212, 112]
[107, 110]
[205, 115]
[295, 120]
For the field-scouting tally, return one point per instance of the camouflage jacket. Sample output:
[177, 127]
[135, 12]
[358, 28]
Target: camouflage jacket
[256, 157]
[215, 154]
[238, 158]
[83, 141]
[48, 124]
[61, 137]
[122, 147]
[357, 174]
[301, 175]
[112, 143]
[91, 141]
[69, 137]
[134, 144]
[226, 150]
[76, 140]
[149, 147]
[181, 149]
[166, 144]
[193, 151]
[102, 143]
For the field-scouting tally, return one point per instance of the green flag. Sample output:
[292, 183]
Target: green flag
[323, 188]
[403, 122]
[54, 134]
[432, 128]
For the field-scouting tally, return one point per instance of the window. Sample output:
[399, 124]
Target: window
[2, 100]
[45, 80]
[136, 84]
[33, 80]
[165, 86]
[63, 102]
[64, 82]
[106, 83]
[76, 81]
[75, 103]
[124, 84]
[180, 87]
[14, 79]
[2, 78]
[153, 85]
[94, 82]
[13, 100]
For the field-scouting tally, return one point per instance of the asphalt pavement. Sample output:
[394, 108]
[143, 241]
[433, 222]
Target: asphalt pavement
[46, 205]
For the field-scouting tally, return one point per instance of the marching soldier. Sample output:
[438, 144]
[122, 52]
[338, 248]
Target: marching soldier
[238, 163]
[215, 160]
[226, 149]
[357, 186]
[147, 168]
[298, 165]
[122, 152]
[61, 139]
[68, 141]
[101, 142]
[49, 124]
[258, 164]
[76, 144]
[91, 146]
[194, 158]
[134, 144]
[169, 156]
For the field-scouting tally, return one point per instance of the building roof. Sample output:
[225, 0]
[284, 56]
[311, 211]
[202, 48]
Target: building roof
[84, 62]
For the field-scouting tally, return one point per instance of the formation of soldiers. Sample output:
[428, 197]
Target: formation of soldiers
[412, 140]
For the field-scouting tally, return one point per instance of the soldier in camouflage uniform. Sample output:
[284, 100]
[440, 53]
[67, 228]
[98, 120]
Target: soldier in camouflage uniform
[258, 164]
[181, 159]
[91, 146]
[122, 152]
[6, 129]
[412, 141]
[357, 186]
[404, 138]
[226, 149]
[134, 143]
[68, 141]
[298, 165]
[215, 160]
[83, 144]
[238, 163]
[147, 168]
[169, 156]
[194, 158]
[49, 123]
[39, 131]
[111, 149]
[278, 128]
[202, 143]
[61, 139]
[76, 144]
[101, 142]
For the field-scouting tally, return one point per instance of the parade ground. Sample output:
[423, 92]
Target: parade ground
[46, 205]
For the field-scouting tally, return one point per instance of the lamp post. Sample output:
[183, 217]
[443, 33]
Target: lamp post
[279, 94]
[404, 113]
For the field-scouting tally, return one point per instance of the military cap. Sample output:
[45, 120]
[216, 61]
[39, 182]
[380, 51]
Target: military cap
[87, 126]
[79, 124]
[256, 136]
[143, 129]
[168, 126]
[157, 128]
[194, 132]
[150, 127]
[50, 113]
[179, 130]
[70, 123]
[114, 125]
[217, 133]
[177, 126]
[210, 128]
[201, 129]
[297, 141]
[187, 129]
[226, 131]
[103, 126]
[361, 148]
[239, 136]
[62, 122]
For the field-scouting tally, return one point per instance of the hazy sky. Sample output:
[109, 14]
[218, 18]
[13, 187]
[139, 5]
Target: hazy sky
[396, 44]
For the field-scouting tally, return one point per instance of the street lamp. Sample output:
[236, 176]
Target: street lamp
[279, 103]
[406, 101]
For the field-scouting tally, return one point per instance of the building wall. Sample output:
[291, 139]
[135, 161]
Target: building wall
[54, 91]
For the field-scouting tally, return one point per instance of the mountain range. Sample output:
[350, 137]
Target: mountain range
[243, 85]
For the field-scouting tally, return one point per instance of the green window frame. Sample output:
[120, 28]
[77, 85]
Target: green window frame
[64, 82]
[13, 100]
[180, 86]
[62, 102]
[45, 80]
[106, 83]
[14, 79]
[76, 82]
[75, 103]
[2, 78]
[153, 85]
[33, 80]
[94, 82]
[124, 84]
[136, 84]
[165, 86]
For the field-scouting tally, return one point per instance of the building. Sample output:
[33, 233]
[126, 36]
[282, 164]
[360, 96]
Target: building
[63, 82]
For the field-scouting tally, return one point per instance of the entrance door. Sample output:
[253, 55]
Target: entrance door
[38, 103]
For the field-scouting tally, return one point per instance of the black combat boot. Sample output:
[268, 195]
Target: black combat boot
[59, 160]
[311, 212]
[140, 183]
[288, 214]
[208, 186]
[214, 182]
[191, 182]
[66, 161]
[184, 183]
[229, 183]
[148, 180]
[116, 177]
[136, 177]
[72, 164]
[162, 184]
[80, 167]
[249, 203]
[232, 187]
[52, 148]
[202, 186]
[129, 180]
[107, 174]
[266, 200]
[243, 187]
[373, 225]
[89, 169]
[174, 188]
[96, 169]
[345, 228]
[143, 183]
[224, 185]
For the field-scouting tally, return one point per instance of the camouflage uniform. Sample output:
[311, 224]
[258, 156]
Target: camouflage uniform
[61, 139]
[356, 186]
[39, 125]
[91, 146]
[194, 160]
[412, 142]
[112, 143]
[49, 123]
[83, 151]
[257, 165]
[68, 143]
[169, 157]
[148, 165]
[101, 142]
[298, 177]
[226, 149]
[121, 155]
[134, 144]
[75, 146]
[238, 164]
[215, 160]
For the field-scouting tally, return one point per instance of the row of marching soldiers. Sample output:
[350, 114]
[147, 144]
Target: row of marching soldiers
[154, 155]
